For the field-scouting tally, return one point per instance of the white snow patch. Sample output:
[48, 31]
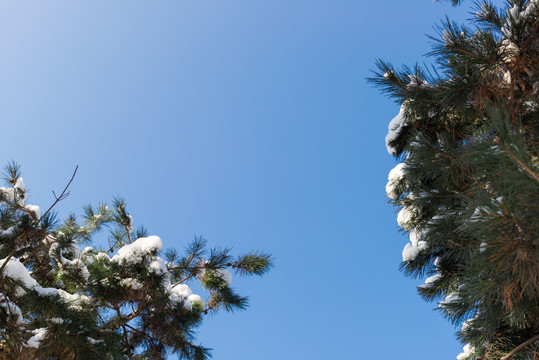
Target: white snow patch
[55, 320]
[181, 294]
[182, 290]
[483, 247]
[396, 175]
[35, 210]
[134, 253]
[409, 253]
[130, 226]
[102, 256]
[225, 275]
[39, 335]
[200, 267]
[158, 266]
[405, 217]
[12, 309]
[468, 350]
[94, 341]
[15, 270]
[431, 280]
[394, 129]
[131, 283]
[74, 300]
[196, 298]
[449, 299]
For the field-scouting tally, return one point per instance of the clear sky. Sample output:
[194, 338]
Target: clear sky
[247, 122]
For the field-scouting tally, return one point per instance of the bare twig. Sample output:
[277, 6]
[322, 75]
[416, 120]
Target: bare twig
[520, 347]
[63, 195]
[517, 160]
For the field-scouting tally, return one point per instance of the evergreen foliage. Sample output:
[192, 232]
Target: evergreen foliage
[468, 185]
[58, 302]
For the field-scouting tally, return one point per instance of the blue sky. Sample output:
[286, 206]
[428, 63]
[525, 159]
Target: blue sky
[247, 122]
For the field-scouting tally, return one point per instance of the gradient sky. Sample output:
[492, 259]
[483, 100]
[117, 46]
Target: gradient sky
[247, 122]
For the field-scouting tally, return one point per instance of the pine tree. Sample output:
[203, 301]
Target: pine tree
[467, 187]
[130, 300]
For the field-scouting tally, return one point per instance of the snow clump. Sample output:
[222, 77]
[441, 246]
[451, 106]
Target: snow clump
[395, 177]
[406, 217]
[394, 129]
[196, 299]
[468, 350]
[39, 335]
[133, 253]
[180, 294]
[12, 309]
[131, 283]
[15, 270]
[225, 275]
[34, 210]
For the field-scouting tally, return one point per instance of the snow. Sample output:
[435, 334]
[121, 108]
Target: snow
[405, 217]
[76, 265]
[222, 273]
[46, 291]
[74, 300]
[56, 320]
[39, 335]
[20, 185]
[49, 239]
[447, 37]
[86, 254]
[7, 194]
[81, 268]
[415, 235]
[476, 216]
[483, 247]
[94, 341]
[509, 50]
[468, 350]
[450, 299]
[200, 266]
[410, 252]
[188, 305]
[181, 293]
[9, 232]
[195, 298]
[12, 309]
[394, 129]
[431, 280]
[134, 253]
[20, 191]
[225, 275]
[15, 270]
[35, 210]
[413, 81]
[532, 6]
[131, 283]
[182, 290]
[394, 178]
[130, 226]
[158, 266]
[87, 250]
[102, 256]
